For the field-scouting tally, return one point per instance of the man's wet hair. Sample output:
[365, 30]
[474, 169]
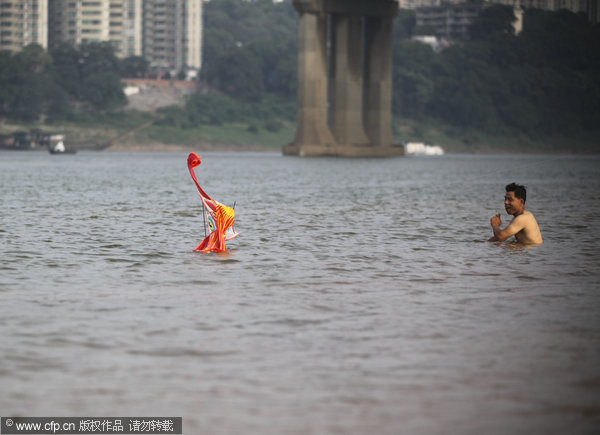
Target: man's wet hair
[520, 191]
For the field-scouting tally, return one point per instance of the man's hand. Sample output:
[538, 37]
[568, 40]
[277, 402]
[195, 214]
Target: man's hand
[495, 221]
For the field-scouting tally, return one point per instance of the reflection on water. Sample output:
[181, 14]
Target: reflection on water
[360, 296]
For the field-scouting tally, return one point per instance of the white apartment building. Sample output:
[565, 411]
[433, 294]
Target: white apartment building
[172, 35]
[168, 33]
[23, 22]
[81, 21]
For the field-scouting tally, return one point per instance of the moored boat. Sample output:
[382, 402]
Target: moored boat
[420, 148]
[56, 144]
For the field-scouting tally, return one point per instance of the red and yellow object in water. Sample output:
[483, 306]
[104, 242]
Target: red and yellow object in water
[220, 218]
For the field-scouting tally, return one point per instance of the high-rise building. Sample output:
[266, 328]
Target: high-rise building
[168, 33]
[172, 35]
[449, 21]
[589, 7]
[126, 27]
[81, 21]
[575, 6]
[414, 4]
[23, 22]
[454, 17]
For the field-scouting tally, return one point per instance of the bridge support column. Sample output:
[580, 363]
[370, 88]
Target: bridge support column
[346, 114]
[354, 76]
[378, 88]
[312, 126]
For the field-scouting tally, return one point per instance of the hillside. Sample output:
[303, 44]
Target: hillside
[148, 95]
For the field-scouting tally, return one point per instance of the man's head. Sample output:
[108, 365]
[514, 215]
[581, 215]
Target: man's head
[514, 200]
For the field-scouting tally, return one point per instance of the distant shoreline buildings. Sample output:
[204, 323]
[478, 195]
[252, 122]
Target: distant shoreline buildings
[451, 18]
[167, 33]
[589, 7]
[23, 22]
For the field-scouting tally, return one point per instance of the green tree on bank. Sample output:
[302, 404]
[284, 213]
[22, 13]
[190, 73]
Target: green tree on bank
[250, 63]
[540, 83]
[60, 84]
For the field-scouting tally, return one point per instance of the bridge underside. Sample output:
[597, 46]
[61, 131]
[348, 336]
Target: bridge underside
[344, 79]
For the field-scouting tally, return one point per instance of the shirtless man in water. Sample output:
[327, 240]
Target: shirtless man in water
[523, 226]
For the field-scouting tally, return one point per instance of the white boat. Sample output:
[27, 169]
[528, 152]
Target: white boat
[56, 144]
[420, 148]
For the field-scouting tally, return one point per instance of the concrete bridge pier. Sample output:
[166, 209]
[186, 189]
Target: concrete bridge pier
[312, 94]
[344, 79]
[346, 104]
[378, 91]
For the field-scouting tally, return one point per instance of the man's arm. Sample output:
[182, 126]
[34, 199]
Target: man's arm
[495, 222]
[513, 228]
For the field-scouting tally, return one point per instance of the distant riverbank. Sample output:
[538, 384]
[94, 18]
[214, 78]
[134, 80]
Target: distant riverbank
[254, 137]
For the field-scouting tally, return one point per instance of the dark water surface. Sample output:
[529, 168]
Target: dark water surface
[360, 296]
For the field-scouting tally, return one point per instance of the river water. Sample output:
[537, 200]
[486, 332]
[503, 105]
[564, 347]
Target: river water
[360, 297]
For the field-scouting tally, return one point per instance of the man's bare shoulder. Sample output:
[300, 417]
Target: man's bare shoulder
[522, 221]
[526, 216]
[530, 232]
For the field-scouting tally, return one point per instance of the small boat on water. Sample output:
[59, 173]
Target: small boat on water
[422, 149]
[51, 151]
[56, 144]
[36, 140]
[19, 141]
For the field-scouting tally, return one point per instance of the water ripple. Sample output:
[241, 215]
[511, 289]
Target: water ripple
[360, 292]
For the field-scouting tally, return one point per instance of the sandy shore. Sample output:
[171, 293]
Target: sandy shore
[154, 147]
[147, 147]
